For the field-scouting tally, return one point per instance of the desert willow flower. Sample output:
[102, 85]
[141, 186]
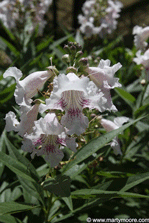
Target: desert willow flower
[109, 126]
[29, 86]
[141, 35]
[103, 77]
[144, 60]
[72, 94]
[27, 118]
[48, 138]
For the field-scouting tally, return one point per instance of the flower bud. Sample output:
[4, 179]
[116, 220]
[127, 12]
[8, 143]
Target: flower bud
[83, 61]
[67, 49]
[143, 82]
[79, 54]
[71, 70]
[73, 48]
[66, 58]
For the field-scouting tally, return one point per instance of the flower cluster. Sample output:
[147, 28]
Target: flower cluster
[140, 41]
[99, 17]
[15, 13]
[72, 92]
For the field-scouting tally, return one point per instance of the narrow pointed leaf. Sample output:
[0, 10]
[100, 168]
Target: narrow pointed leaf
[7, 218]
[95, 193]
[14, 207]
[33, 187]
[59, 185]
[127, 97]
[14, 153]
[68, 201]
[2, 148]
[135, 180]
[16, 166]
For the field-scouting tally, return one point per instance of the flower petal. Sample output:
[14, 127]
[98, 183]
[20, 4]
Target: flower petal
[108, 104]
[27, 120]
[119, 121]
[116, 146]
[11, 122]
[13, 72]
[108, 125]
[54, 158]
[71, 143]
[103, 75]
[75, 122]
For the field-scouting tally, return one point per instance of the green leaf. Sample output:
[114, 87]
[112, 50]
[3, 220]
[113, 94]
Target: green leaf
[14, 153]
[43, 44]
[16, 166]
[88, 204]
[59, 41]
[10, 34]
[95, 193]
[127, 97]
[68, 201]
[95, 145]
[7, 218]
[138, 144]
[10, 46]
[133, 87]
[144, 109]
[135, 180]
[79, 39]
[59, 185]
[113, 174]
[2, 149]
[32, 190]
[14, 207]
[7, 94]
[33, 187]
[141, 126]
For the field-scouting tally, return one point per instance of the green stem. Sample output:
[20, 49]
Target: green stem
[143, 93]
[49, 205]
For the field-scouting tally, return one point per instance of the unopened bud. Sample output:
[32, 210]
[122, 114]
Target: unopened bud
[66, 58]
[71, 70]
[143, 82]
[73, 48]
[79, 54]
[66, 48]
[83, 61]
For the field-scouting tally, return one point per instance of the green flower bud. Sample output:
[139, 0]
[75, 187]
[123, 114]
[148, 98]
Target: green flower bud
[71, 70]
[83, 61]
[79, 54]
[66, 58]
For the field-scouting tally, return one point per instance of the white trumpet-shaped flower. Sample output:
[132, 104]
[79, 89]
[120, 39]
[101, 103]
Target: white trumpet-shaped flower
[71, 94]
[47, 138]
[109, 126]
[26, 123]
[144, 60]
[29, 86]
[103, 77]
[141, 35]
